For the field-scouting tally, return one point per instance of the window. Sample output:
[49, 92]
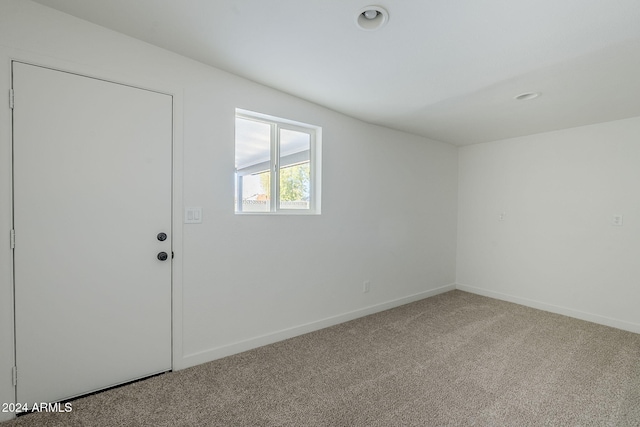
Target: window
[277, 165]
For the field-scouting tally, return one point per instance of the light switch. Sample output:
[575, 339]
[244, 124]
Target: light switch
[192, 215]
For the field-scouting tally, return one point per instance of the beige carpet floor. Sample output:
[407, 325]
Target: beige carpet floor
[456, 359]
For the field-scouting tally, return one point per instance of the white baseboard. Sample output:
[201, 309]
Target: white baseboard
[238, 347]
[590, 317]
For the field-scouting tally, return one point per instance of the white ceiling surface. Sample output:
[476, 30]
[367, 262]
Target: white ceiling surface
[444, 69]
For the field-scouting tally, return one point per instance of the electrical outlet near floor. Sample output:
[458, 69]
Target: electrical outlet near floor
[617, 220]
[366, 286]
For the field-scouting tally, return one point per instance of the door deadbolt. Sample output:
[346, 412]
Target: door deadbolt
[162, 256]
[162, 237]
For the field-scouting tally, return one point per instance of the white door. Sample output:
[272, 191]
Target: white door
[92, 191]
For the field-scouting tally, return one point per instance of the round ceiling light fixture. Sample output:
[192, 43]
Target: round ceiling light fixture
[527, 96]
[372, 18]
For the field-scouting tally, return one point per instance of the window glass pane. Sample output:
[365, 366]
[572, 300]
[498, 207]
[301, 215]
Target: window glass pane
[256, 194]
[253, 165]
[295, 171]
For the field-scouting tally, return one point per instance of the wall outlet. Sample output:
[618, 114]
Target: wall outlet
[366, 286]
[617, 220]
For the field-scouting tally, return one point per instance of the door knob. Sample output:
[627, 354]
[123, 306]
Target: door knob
[162, 256]
[162, 237]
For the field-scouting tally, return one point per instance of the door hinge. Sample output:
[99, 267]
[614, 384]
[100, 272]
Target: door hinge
[12, 239]
[14, 375]
[11, 98]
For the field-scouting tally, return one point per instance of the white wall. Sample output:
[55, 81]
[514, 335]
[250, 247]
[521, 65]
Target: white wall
[372, 227]
[557, 248]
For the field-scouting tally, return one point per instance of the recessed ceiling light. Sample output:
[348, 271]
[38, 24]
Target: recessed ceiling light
[527, 96]
[370, 14]
[372, 18]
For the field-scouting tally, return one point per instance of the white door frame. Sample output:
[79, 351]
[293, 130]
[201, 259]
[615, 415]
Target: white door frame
[177, 178]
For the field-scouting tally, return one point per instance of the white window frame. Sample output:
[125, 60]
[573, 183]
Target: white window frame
[315, 163]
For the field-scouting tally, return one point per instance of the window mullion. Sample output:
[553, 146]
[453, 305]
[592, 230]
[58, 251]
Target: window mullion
[275, 166]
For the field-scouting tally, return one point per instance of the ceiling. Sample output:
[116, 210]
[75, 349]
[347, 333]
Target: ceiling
[445, 69]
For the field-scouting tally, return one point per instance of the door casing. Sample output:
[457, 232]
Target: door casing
[17, 207]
